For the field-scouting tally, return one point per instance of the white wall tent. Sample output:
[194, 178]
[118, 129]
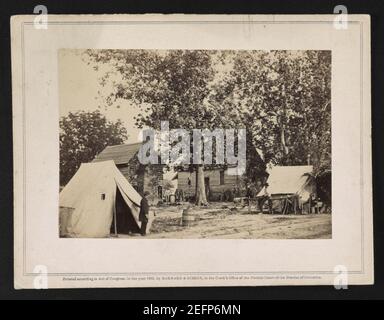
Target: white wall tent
[95, 195]
[290, 181]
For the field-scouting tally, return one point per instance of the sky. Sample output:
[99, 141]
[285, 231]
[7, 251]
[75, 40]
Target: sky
[79, 91]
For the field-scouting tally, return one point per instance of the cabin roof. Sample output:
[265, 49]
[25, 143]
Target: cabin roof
[120, 154]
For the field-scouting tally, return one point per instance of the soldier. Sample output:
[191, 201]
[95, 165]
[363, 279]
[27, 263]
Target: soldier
[144, 213]
[264, 198]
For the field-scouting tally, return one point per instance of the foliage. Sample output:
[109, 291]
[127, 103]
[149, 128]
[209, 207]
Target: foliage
[170, 85]
[228, 195]
[82, 136]
[282, 98]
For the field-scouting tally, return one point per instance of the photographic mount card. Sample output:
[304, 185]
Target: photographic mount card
[189, 150]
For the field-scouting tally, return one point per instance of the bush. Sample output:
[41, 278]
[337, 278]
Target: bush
[215, 196]
[228, 195]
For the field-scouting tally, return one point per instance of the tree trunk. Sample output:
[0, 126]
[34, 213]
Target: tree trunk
[282, 124]
[201, 197]
[282, 138]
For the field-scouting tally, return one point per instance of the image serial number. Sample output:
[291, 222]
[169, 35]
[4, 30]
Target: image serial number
[194, 309]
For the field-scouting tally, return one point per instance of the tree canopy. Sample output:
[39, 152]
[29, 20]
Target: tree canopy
[82, 136]
[281, 98]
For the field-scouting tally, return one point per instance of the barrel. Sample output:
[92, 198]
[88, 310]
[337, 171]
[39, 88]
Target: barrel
[172, 198]
[64, 218]
[188, 218]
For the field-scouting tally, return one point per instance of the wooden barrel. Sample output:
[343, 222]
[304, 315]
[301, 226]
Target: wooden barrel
[64, 218]
[188, 218]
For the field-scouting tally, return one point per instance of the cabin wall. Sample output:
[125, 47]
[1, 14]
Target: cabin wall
[125, 171]
[152, 180]
[143, 179]
[230, 182]
[134, 175]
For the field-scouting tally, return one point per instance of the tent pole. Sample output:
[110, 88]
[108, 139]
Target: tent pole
[114, 216]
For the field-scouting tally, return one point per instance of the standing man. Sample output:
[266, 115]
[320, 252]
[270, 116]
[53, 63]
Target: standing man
[265, 197]
[144, 213]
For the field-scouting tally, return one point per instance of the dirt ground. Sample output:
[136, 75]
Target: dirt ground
[224, 221]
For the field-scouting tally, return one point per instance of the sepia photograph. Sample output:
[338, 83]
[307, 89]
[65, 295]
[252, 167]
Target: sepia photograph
[216, 144]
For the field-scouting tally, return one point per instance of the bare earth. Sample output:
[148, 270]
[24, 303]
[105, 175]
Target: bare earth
[227, 222]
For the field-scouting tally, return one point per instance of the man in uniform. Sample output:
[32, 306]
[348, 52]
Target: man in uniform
[144, 213]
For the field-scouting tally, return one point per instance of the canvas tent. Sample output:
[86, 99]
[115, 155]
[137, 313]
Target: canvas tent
[99, 200]
[290, 181]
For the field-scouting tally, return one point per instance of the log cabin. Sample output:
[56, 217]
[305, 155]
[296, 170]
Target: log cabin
[142, 177]
[219, 185]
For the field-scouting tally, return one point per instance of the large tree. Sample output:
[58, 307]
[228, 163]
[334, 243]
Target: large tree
[172, 86]
[82, 136]
[281, 98]
[284, 100]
